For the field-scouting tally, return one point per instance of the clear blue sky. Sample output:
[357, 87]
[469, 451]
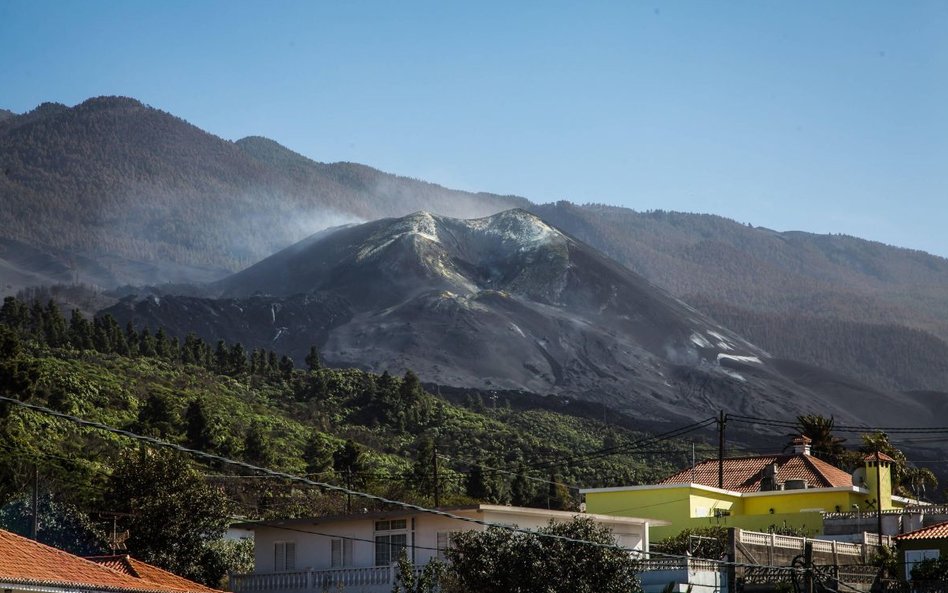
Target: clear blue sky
[817, 116]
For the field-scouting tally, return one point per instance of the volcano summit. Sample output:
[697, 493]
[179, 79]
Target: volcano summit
[502, 302]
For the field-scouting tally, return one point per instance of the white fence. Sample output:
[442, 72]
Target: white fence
[356, 580]
[790, 542]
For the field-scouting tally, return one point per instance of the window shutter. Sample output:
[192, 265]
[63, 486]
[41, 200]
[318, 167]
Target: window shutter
[279, 556]
[290, 556]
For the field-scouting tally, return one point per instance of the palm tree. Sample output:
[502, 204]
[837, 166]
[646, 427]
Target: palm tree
[907, 480]
[917, 480]
[819, 429]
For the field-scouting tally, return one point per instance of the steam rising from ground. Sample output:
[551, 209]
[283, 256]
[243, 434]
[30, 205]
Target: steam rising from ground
[309, 222]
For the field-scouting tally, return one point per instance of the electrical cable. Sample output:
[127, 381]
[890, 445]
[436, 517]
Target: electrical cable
[628, 447]
[158, 443]
[843, 427]
[264, 523]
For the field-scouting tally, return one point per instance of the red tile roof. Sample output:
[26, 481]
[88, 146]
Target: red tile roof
[24, 561]
[143, 570]
[882, 457]
[937, 531]
[744, 474]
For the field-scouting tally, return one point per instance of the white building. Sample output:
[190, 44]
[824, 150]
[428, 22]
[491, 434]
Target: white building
[357, 551]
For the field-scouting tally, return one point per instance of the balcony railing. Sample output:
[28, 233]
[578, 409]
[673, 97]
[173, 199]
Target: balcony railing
[368, 579]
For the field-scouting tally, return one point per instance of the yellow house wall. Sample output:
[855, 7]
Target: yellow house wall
[812, 523]
[689, 508]
[669, 504]
[795, 501]
[705, 504]
[885, 483]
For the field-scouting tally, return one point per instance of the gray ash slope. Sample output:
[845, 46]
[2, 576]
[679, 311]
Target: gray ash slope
[503, 302]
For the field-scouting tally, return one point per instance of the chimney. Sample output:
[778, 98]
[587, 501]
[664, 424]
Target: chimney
[768, 482]
[801, 445]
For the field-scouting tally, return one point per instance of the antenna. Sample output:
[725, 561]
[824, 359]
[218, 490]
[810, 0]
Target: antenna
[117, 540]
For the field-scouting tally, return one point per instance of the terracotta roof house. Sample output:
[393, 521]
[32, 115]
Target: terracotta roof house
[922, 544]
[754, 493]
[750, 474]
[142, 570]
[29, 566]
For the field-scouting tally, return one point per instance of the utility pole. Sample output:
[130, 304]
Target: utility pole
[879, 496]
[810, 582]
[437, 484]
[35, 526]
[349, 487]
[692, 462]
[722, 422]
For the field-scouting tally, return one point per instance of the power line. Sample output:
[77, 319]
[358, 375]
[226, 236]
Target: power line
[290, 477]
[333, 535]
[629, 447]
[512, 473]
[332, 487]
[843, 427]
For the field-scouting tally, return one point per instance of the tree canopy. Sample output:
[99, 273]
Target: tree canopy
[502, 561]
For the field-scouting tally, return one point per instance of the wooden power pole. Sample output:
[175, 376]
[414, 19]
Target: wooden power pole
[722, 422]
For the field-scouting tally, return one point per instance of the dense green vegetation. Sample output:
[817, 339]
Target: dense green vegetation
[501, 561]
[377, 433]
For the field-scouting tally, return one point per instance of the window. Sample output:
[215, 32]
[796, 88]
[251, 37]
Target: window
[388, 548]
[444, 542]
[284, 556]
[341, 553]
[391, 540]
[913, 557]
[393, 525]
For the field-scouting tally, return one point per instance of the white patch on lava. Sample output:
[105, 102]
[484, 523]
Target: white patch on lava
[744, 359]
[700, 341]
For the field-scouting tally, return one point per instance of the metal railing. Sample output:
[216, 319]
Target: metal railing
[689, 564]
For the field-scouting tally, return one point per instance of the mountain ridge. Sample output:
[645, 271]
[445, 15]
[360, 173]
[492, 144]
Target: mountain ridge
[506, 302]
[112, 192]
[112, 176]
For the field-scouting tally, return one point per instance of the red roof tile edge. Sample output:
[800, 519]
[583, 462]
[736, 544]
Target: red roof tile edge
[89, 574]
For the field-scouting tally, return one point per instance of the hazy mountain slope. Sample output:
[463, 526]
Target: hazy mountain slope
[891, 356]
[704, 257]
[376, 193]
[113, 178]
[505, 302]
[112, 191]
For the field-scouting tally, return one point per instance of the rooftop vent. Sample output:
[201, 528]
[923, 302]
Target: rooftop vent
[795, 484]
[768, 481]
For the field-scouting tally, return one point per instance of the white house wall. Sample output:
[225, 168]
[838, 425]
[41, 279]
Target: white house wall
[314, 551]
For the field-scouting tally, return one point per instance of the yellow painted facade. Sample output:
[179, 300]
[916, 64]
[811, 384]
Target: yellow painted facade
[884, 481]
[695, 505]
